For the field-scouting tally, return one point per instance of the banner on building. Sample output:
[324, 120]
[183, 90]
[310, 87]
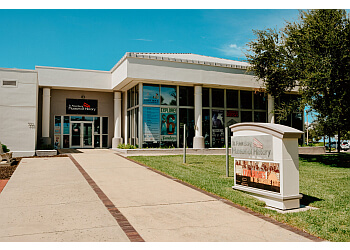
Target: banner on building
[151, 124]
[218, 135]
[168, 124]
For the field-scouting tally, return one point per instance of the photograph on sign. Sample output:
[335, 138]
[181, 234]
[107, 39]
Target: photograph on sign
[258, 174]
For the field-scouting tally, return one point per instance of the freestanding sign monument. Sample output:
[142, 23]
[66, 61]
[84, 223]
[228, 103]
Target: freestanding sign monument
[267, 162]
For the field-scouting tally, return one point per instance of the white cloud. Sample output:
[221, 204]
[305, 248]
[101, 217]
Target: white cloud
[142, 39]
[232, 50]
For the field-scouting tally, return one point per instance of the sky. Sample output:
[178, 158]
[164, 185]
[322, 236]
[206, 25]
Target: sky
[97, 39]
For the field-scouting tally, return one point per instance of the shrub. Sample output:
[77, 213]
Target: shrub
[127, 146]
[4, 148]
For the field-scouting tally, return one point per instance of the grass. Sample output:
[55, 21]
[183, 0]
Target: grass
[324, 182]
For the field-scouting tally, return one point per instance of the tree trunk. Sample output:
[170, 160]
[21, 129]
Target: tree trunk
[329, 144]
[338, 140]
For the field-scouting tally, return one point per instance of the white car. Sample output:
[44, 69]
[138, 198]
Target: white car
[344, 146]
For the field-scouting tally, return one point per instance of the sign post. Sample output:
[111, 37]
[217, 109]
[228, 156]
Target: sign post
[184, 159]
[227, 159]
[267, 163]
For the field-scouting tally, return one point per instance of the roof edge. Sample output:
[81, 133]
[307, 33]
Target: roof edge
[155, 56]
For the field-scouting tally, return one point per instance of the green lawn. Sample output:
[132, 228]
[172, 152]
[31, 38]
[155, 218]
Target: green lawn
[324, 181]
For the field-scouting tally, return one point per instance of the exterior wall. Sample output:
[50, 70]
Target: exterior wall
[105, 107]
[184, 72]
[74, 78]
[18, 111]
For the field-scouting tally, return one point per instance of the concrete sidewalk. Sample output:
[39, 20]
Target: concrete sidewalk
[161, 209]
[47, 199]
[100, 196]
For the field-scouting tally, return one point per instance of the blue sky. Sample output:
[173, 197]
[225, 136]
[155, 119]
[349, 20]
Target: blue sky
[97, 39]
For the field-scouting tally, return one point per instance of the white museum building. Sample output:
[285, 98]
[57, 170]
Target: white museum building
[144, 100]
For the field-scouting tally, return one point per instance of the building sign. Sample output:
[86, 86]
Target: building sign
[258, 174]
[151, 124]
[81, 106]
[168, 124]
[218, 135]
[252, 147]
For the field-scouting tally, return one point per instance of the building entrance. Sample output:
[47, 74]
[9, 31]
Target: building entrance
[82, 135]
[81, 132]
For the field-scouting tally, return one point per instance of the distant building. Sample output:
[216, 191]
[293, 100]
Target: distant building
[144, 100]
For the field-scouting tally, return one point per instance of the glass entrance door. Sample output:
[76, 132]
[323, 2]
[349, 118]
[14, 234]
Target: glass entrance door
[88, 135]
[82, 135]
[75, 138]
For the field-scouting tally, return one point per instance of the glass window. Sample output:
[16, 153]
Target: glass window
[168, 95]
[205, 97]
[66, 126]
[87, 118]
[246, 116]
[260, 101]
[246, 99]
[206, 127]
[76, 118]
[186, 116]
[57, 125]
[231, 98]
[297, 121]
[105, 141]
[104, 125]
[186, 96]
[217, 98]
[259, 116]
[97, 141]
[136, 95]
[129, 98]
[132, 97]
[97, 125]
[151, 94]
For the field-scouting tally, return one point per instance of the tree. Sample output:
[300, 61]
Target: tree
[313, 56]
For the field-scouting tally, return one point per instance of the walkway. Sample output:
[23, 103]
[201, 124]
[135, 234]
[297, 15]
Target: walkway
[47, 199]
[100, 196]
[161, 209]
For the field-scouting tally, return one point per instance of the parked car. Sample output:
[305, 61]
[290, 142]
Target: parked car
[345, 146]
[333, 145]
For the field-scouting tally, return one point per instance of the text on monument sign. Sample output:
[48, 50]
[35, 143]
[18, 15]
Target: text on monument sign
[81, 106]
[252, 147]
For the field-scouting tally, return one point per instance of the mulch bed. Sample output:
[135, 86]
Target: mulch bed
[6, 172]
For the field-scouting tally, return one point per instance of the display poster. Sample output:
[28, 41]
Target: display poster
[218, 135]
[168, 124]
[58, 130]
[151, 95]
[57, 143]
[258, 174]
[151, 124]
[66, 128]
